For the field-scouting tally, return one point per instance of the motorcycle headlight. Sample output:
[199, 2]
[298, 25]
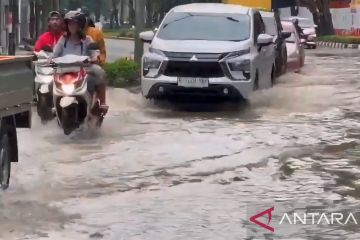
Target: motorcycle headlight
[68, 89]
[152, 62]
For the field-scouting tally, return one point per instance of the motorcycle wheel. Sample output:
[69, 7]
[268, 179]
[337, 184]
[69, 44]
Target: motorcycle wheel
[44, 111]
[69, 119]
[5, 159]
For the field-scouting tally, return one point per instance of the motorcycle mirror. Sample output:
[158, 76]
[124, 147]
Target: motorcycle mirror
[93, 46]
[47, 49]
[34, 58]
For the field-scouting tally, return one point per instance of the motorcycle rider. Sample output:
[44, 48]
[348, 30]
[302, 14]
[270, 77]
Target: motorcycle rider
[86, 12]
[298, 28]
[54, 33]
[96, 35]
[75, 41]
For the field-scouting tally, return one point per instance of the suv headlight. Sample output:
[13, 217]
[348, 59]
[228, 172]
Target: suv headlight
[152, 62]
[239, 65]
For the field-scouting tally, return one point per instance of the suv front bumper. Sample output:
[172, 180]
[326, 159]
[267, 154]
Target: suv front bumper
[218, 87]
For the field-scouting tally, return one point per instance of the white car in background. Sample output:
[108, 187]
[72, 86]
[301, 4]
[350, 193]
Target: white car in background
[309, 31]
[295, 47]
[212, 49]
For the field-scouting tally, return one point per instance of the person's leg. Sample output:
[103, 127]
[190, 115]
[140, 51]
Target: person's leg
[101, 92]
[100, 86]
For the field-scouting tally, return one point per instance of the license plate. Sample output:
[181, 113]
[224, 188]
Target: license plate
[193, 82]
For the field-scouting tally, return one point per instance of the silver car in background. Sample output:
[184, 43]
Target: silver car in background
[212, 49]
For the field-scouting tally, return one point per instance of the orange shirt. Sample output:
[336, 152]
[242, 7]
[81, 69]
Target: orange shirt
[98, 37]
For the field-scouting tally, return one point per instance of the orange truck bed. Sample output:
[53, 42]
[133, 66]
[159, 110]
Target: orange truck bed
[16, 84]
[5, 58]
[261, 4]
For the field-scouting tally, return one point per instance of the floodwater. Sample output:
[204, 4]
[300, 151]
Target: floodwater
[190, 172]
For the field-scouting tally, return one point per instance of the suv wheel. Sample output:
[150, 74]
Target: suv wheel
[256, 82]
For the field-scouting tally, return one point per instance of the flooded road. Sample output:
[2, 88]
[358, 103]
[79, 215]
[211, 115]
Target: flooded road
[170, 173]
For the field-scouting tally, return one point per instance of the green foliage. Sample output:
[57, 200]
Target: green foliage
[126, 33]
[122, 72]
[340, 39]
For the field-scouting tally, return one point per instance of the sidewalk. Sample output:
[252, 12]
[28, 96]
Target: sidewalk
[20, 50]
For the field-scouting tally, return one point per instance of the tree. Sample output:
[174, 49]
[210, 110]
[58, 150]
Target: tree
[122, 11]
[32, 20]
[149, 13]
[97, 10]
[132, 12]
[114, 13]
[75, 4]
[321, 14]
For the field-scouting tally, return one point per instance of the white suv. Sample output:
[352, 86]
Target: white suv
[214, 49]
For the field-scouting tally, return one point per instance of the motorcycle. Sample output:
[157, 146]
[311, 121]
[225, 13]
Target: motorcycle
[76, 102]
[44, 76]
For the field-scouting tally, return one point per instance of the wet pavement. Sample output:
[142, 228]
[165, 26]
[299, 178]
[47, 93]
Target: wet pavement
[190, 172]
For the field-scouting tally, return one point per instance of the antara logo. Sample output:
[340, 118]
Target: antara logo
[308, 218]
[267, 212]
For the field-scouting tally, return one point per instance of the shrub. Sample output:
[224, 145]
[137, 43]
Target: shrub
[130, 34]
[122, 72]
[340, 39]
[122, 34]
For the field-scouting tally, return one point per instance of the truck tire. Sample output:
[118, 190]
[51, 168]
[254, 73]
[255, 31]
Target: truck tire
[5, 158]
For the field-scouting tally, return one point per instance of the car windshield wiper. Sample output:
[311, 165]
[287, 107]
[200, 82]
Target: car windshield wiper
[235, 40]
[232, 19]
[167, 24]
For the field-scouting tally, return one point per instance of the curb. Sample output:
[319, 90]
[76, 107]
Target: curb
[338, 45]
[121, 38]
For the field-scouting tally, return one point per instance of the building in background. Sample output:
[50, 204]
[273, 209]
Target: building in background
[346, 17]
[4, 25]
[21, 22]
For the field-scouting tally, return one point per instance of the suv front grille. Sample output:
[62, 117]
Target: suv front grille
[193, 69]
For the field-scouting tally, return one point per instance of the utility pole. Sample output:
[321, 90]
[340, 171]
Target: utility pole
[139, 26]
[56, 5]
[12, 40]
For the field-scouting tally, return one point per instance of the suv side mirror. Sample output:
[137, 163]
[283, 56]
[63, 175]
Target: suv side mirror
[147, 36]
[265, 40]
[285, 35]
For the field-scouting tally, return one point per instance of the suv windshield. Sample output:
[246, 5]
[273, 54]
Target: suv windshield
[211, 27]
[306, 23]
[270, 25]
